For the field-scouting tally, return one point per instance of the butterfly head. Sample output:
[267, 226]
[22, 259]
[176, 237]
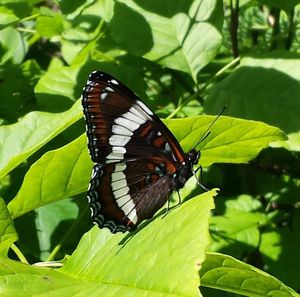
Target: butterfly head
[193, 157]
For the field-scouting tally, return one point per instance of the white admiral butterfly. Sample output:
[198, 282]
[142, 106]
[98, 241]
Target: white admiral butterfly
[139, 162]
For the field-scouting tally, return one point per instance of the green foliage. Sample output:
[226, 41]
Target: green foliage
[176, 55]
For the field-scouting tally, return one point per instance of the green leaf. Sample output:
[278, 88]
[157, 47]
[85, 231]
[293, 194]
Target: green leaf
[56, 175]
[174, 265]
[231, 140]
[65, 172]
[55, 89]
[22, 139]
[48, 26]
[185, 36]
[261, 88]
[17, 87]
[15, 46]
[8, 233]
[7, 17]
[279, 248]
[47, 221]
[228, 274]
[236, 231]
[158, 248]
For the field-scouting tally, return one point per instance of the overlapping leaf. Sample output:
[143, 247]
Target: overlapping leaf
[8, 233]
[20, 140]
[124, 264]
[184, 35]
[228, 274]
[263, 88]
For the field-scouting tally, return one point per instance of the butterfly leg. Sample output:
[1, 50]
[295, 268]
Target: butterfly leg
[179, 199]
[167, 209]
[200, 182]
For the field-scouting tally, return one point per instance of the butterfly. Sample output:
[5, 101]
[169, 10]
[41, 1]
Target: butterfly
[138, 161]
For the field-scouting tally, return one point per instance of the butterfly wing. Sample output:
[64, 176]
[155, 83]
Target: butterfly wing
[136, 155]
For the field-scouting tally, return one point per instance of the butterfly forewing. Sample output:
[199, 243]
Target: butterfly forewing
[136, 155]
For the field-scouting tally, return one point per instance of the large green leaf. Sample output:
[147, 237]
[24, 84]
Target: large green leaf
[184, 35]
[228, 274]
[237, 229]
[263, 88]
[279, 248]
[22, 139]
[47, 221]
[231, 140]
[56, 175]
[160, 259]
[65, 172]
[8, 233]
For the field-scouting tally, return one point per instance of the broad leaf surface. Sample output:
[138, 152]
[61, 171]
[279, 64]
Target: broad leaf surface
[22, 139]
[280, 248]
[51, 222]
[262, 88]
[56, 175]
[237, 229]
[65, 172]
[228, 274]
[184, 35]
[8, 233]
[171, 247]
[231, 140]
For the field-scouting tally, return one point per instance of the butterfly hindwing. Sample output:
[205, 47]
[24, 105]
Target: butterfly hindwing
[122, 194]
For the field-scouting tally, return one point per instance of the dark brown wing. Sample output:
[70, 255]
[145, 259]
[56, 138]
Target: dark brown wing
[116, 119]
[135, 155]
[121, 195]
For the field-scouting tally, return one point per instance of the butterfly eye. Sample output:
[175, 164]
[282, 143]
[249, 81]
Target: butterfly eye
[193, 156]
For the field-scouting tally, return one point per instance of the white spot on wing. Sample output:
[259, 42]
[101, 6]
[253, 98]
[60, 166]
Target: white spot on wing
[121, 192]
[136, 110]
[117, 176]
[109, 89]
[115, 156]
[119, 140]
[133, 216]
[118, 150]
[120, 167]
[143, 106]
[103, 96]
[117, 129]
[127, 123]
[118, 184]
[113, 81]
[123, 200]
[167, 147]
[132, 117]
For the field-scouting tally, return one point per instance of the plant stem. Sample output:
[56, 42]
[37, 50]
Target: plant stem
[275, 13]
[291, 29]
[234, 25]
[203, 88]
[19, 254]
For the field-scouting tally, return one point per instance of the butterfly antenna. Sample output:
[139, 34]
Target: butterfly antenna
[207, 132]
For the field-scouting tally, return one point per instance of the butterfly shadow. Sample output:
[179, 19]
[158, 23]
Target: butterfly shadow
[130, 235]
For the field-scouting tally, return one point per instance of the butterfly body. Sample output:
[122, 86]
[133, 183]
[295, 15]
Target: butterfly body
[138, 161]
